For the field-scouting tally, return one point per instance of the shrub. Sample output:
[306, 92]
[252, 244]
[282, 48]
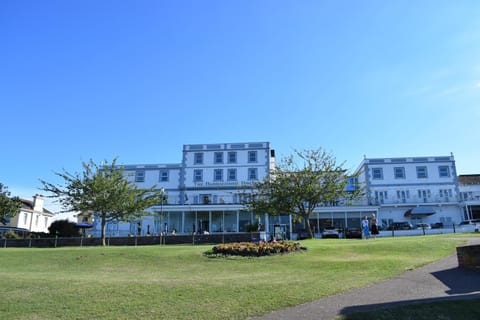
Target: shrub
[11, 235]
[252, 249]
[63, 228]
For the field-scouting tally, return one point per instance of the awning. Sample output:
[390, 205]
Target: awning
[419, 212]
[83, 225]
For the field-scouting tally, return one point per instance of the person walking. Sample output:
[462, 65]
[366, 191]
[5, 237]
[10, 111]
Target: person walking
[365, 228]
[374, 226]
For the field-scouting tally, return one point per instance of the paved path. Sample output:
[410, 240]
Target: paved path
[437, 281]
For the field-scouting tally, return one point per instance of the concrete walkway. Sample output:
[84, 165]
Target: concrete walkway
[440, 280]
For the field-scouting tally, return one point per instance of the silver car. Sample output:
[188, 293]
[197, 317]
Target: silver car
[330, 232]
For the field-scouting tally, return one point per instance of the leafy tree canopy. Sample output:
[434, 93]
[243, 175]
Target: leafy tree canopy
[102, 189]
[9, 206]
[300, 183]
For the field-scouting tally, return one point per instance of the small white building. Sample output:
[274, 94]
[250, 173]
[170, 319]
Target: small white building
[33, 216]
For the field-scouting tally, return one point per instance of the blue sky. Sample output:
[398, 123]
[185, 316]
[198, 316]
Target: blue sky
[136, 80]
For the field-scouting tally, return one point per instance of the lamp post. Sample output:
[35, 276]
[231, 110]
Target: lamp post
[162, 191]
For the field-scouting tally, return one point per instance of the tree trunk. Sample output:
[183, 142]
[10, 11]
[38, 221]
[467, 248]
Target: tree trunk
[104, 227]
[307, 222]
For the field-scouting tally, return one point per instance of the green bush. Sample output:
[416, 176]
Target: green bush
[252, 249]
[63, 228]
[11, 235]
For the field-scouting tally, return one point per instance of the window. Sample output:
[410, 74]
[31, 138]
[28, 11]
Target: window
[140, 176]
[218, 157]
[218, 175]
[380, 196]
[445, 193]
[403, 195]
[377, 173]
[252, 174]
[252, 156]
[205, 198]
[197, 175]
[232, 157]
[444, 171]
[399, 172]
[424, 195]
[232, 174]
[198, 158]
[36, 220]
[25, 219]
[163, 176]
[422, 172]
[46, 222]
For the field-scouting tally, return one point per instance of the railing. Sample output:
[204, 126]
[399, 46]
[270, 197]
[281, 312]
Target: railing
[412, 200]
[470, 196]
[129, 241]
[362, 201]
[236, 199]
[205, 199]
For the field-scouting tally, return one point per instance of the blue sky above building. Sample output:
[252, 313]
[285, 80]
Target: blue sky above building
[138, 79]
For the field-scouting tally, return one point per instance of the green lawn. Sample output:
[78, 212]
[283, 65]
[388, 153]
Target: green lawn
[178, 282]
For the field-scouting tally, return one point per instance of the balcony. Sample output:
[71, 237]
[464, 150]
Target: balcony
[414, 200]
[203, 199]
[470, 196]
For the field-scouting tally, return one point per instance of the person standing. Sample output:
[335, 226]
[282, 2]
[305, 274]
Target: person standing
[365, 228]
[374, 226]
[139, 229]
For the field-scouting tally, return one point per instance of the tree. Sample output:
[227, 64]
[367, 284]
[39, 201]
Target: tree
[9, 206]
[300, 183]
[102, 189]
[63, 228]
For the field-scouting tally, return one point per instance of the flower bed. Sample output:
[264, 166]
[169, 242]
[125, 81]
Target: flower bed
[252, 249]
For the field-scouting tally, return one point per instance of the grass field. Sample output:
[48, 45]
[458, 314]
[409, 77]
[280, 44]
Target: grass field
[178, 282]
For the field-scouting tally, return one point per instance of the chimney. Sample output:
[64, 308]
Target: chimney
[38, 203]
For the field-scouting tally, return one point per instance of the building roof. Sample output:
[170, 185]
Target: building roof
[403, 160]
[469, 179]
[28, 205]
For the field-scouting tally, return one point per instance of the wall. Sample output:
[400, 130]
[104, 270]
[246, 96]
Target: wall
[469, 257]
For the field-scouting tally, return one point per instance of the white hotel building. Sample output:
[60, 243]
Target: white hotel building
[414, 189]
[206, 193]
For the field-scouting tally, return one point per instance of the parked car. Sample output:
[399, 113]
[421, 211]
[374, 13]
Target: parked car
[470, 225]
[330, 232]
[472, 221]
[404, 225]
[354, 233]
[423, 226]
[437, 225]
